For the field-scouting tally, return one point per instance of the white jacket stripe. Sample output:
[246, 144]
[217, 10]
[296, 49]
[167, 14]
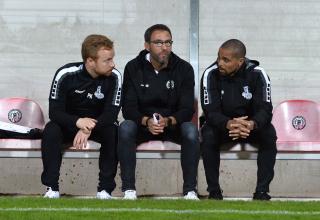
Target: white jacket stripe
[267, 84]
[58, 79]
[117, 93]
[206, 84]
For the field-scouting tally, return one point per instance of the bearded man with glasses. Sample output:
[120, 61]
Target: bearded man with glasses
[158, 105]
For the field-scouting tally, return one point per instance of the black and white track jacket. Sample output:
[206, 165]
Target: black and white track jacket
[247, 93]
[75, 94]
[169, 92]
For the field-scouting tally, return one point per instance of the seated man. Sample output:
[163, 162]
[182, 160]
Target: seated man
[84, 104]
[236, 101]
[157, 82]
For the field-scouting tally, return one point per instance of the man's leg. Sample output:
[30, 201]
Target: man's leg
[108, 160]
[210, 151]
[266, 157]
[51, 146]
[127, 153]
[190, 153]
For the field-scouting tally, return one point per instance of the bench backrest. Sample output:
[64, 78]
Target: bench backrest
[297, 120]
[21, 111]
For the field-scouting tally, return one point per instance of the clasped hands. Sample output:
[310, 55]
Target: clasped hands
[240, 127]
[157, 128]
[85, 126]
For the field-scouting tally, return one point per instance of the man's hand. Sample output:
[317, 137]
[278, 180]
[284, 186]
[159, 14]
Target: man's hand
[156, 128]
[249, 124]
[240, 127]
[238, 131]
[169, 121]
[86, 124]
[81, 139]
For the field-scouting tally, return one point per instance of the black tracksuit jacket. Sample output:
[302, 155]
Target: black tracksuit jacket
[247, 93]
[75, 94]
[170, 92]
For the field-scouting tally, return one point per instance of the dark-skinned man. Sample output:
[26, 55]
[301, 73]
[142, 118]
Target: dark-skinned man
[236, 101]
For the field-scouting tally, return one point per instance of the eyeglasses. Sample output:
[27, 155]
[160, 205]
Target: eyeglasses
[159, 43]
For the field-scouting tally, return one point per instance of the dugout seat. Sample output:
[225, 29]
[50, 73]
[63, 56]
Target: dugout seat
[22, 112]
[297, 123]
[158, 146]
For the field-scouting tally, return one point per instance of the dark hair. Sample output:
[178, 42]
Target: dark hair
[237, 46]
[92, 44]
[150, 30]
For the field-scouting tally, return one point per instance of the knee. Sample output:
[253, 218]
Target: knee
[52, 131]
[108, 133]
[189, 131]
[267, 137]
[52, 136]
[127, 129]
[208, 138]
[207, 134]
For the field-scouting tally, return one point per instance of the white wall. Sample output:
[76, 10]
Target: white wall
[283, 35]
[39, 36]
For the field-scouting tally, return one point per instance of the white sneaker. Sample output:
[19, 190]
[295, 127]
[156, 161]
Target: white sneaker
[130, 195]
[103, 195]
[192, 195]
[51, 194]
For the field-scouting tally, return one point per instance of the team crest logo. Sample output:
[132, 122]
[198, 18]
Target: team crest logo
[14, 115]
[170, 84]
[98, 93]
[246, 94]
[299, 122]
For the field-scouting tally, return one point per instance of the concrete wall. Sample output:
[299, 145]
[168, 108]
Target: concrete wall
[39, 36]
[282, 35]
[293, 178]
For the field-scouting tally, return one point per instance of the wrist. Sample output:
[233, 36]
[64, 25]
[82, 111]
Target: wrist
[78, 123]
[85, 131]
[169, 122]
[144, 121]
[228, 124]
[147, 121]
[254, 124]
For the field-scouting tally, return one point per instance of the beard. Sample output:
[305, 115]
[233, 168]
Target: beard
[162, 59]
[104, 72]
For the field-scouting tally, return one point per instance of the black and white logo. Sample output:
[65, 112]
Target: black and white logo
[144, 85]
[14, 115]
[299, 122]
[89, 95]
[246, 94]
[79, 91]
[98, 94]
[170, 84]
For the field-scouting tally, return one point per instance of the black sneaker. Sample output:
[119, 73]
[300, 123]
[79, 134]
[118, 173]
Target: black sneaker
[217, 195]
[261, 196]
